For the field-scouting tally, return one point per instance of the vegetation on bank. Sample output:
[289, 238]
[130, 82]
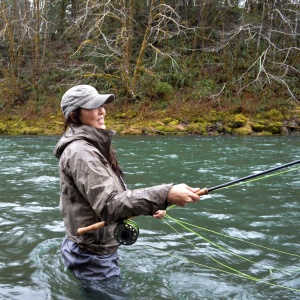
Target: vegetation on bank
[176, 67]
[188, 119]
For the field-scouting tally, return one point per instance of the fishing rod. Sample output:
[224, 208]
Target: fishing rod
[205, 191]
[126, 231]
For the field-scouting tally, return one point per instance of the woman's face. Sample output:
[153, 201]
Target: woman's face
[93, 117]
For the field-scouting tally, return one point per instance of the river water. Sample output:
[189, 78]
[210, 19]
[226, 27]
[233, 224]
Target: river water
[241, 242]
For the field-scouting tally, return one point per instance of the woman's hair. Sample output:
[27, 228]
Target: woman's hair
[75, 120]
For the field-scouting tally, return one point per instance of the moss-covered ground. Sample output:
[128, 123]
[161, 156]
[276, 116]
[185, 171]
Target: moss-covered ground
[145, 120]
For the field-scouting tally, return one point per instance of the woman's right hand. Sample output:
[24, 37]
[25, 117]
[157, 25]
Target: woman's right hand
[182, 194]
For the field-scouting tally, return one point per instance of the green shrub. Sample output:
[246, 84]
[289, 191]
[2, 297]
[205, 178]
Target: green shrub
[196, 128]
[258, 127]
[32, 131]
[163, 90]
[274, 115]
[242, 131]
[275, 127]
[3, 129]
[239, 121]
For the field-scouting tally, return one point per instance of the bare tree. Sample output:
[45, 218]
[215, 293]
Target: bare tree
[12, 35]
[20, 33]
[272, 48]
[131, 46]
[277, 47]
[114, 28]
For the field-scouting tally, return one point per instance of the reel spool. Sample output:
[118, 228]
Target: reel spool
[126, 232]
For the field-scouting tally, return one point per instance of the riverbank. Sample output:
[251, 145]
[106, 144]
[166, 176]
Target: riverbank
[189, 119]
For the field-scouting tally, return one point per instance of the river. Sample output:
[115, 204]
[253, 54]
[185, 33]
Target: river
[240, 242]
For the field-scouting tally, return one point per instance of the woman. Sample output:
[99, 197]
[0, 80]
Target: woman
[93, 190]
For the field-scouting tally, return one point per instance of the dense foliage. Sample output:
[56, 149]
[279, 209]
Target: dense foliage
[217, 53]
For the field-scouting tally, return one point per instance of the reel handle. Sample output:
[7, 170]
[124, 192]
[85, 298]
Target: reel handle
[83, 230]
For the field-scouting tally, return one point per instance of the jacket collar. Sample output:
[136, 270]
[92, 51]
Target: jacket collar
[99, 138]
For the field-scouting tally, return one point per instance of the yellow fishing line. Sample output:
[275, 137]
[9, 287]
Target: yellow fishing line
[226, 266]
[205, 266]
[234, 238]
[224, 271]
[253, 244]
[270, 269]
[236, 272]
[209, 241]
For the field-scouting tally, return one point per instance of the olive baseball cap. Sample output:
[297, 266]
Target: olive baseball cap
[84, 96]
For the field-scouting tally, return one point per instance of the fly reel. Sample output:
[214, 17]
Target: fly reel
[126, 232]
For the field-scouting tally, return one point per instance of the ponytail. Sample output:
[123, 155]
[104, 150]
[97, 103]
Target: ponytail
[73, 119]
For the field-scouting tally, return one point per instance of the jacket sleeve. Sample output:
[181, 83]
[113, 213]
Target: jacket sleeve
[98, 185]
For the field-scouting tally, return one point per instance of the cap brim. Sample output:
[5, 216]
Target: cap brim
[99, 101]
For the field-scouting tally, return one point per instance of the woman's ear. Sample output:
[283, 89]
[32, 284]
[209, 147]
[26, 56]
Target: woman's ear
[72, 115]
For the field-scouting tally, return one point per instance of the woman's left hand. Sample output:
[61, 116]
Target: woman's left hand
[159, 214]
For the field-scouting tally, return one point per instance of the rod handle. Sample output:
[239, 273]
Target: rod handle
[95, 226]
[202, 192]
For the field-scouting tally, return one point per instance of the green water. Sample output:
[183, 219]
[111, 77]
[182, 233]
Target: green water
[244, 242]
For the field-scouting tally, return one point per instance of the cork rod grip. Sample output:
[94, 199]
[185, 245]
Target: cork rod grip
[202, 192]
[95, 226]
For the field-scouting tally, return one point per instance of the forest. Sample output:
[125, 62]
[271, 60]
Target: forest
[199, 66]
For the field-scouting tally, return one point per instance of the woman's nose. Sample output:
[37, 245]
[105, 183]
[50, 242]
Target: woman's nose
[102, 110]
